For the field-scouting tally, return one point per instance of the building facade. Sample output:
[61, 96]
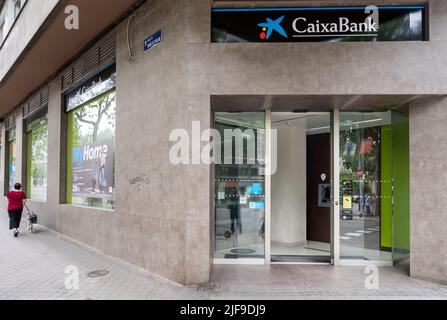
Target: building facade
[347, 124]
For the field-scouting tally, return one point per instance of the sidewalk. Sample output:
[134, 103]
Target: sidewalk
[32, 267]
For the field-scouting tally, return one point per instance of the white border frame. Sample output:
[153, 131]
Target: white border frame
[335, 186]
[268, 187]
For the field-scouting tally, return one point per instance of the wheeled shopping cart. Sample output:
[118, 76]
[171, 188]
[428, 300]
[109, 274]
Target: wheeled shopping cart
[32, 219]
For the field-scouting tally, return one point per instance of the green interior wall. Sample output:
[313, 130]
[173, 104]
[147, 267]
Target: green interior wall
[401, 172]
[395, 168]
[29, 140]
[68, 198]
[386, 219]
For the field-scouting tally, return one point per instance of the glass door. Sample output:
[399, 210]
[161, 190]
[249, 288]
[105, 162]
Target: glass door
[239, 187]
[373, 163]
[365, 181]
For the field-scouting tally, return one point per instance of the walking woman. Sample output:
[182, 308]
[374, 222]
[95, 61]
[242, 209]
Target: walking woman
[16, 198]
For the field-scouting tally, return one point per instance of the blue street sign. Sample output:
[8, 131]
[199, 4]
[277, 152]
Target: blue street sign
[153, 41]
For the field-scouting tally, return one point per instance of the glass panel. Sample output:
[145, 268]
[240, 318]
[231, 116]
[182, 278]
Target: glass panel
[240, 185]
[401, 189]
[37, 159]
[12, 156]
[91, 141]
[366, 186]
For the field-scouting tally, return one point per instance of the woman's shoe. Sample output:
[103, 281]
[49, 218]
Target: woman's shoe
[16, 233]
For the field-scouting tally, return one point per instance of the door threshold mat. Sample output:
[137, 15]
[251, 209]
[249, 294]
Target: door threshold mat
[316, 249]
[302, 259]
[353, 258]
[243, 256]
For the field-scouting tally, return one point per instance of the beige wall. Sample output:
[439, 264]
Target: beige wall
[163, 226]
[288, 217]
[428, 184]
[31, 18]
[324, 68]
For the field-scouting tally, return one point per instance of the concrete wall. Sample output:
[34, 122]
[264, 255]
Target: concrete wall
[288, 216]
[428, 184]
[324, 68]
[31, 18]
[163, 226]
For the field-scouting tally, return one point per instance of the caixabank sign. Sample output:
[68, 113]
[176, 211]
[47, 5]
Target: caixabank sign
[319, 24]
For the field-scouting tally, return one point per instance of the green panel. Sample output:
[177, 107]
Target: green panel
[29, 141]
[386, 221]
[69, 156]
[401, 167]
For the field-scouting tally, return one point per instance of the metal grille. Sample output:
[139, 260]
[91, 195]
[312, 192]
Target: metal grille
[36, 102]
[10, 122]
[101, 54]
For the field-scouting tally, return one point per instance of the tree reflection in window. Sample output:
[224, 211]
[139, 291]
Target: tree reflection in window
[37, 159]
[95, 121]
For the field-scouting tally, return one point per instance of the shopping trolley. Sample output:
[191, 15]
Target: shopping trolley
[32, 219]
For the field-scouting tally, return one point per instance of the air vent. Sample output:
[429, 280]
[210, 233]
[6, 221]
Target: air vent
[101, 54]
[36, 102]
[10, 122]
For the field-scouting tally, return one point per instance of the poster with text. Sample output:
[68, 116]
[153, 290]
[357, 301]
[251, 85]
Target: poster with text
[92, 170]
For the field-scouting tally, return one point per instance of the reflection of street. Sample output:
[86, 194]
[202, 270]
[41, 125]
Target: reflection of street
[361, 232]
[360, 238]
[249, 238]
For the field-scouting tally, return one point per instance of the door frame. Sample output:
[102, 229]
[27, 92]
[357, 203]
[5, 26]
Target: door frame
[335, 185]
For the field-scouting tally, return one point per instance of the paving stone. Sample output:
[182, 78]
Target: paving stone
[33, 268]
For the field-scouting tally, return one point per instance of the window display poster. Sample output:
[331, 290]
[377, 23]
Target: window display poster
[92, 170]
[255, 189]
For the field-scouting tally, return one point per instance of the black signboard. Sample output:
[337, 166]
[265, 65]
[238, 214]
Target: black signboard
[319, 24]
[98, 85]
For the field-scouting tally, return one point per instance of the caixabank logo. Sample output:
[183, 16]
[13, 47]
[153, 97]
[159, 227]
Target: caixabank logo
[271, 26]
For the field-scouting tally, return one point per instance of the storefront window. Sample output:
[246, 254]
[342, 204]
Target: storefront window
[37, 158]
[240, 186]
[91, 142]
[373, 185]
[11, 149]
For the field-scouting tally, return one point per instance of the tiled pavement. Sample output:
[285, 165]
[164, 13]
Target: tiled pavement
[316, 282]
[33, 267]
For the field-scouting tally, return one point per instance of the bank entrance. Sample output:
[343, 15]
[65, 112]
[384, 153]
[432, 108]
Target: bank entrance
[301, 188]
[310, 185]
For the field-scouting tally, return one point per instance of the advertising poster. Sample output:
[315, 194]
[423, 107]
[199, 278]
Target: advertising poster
[92, 170]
